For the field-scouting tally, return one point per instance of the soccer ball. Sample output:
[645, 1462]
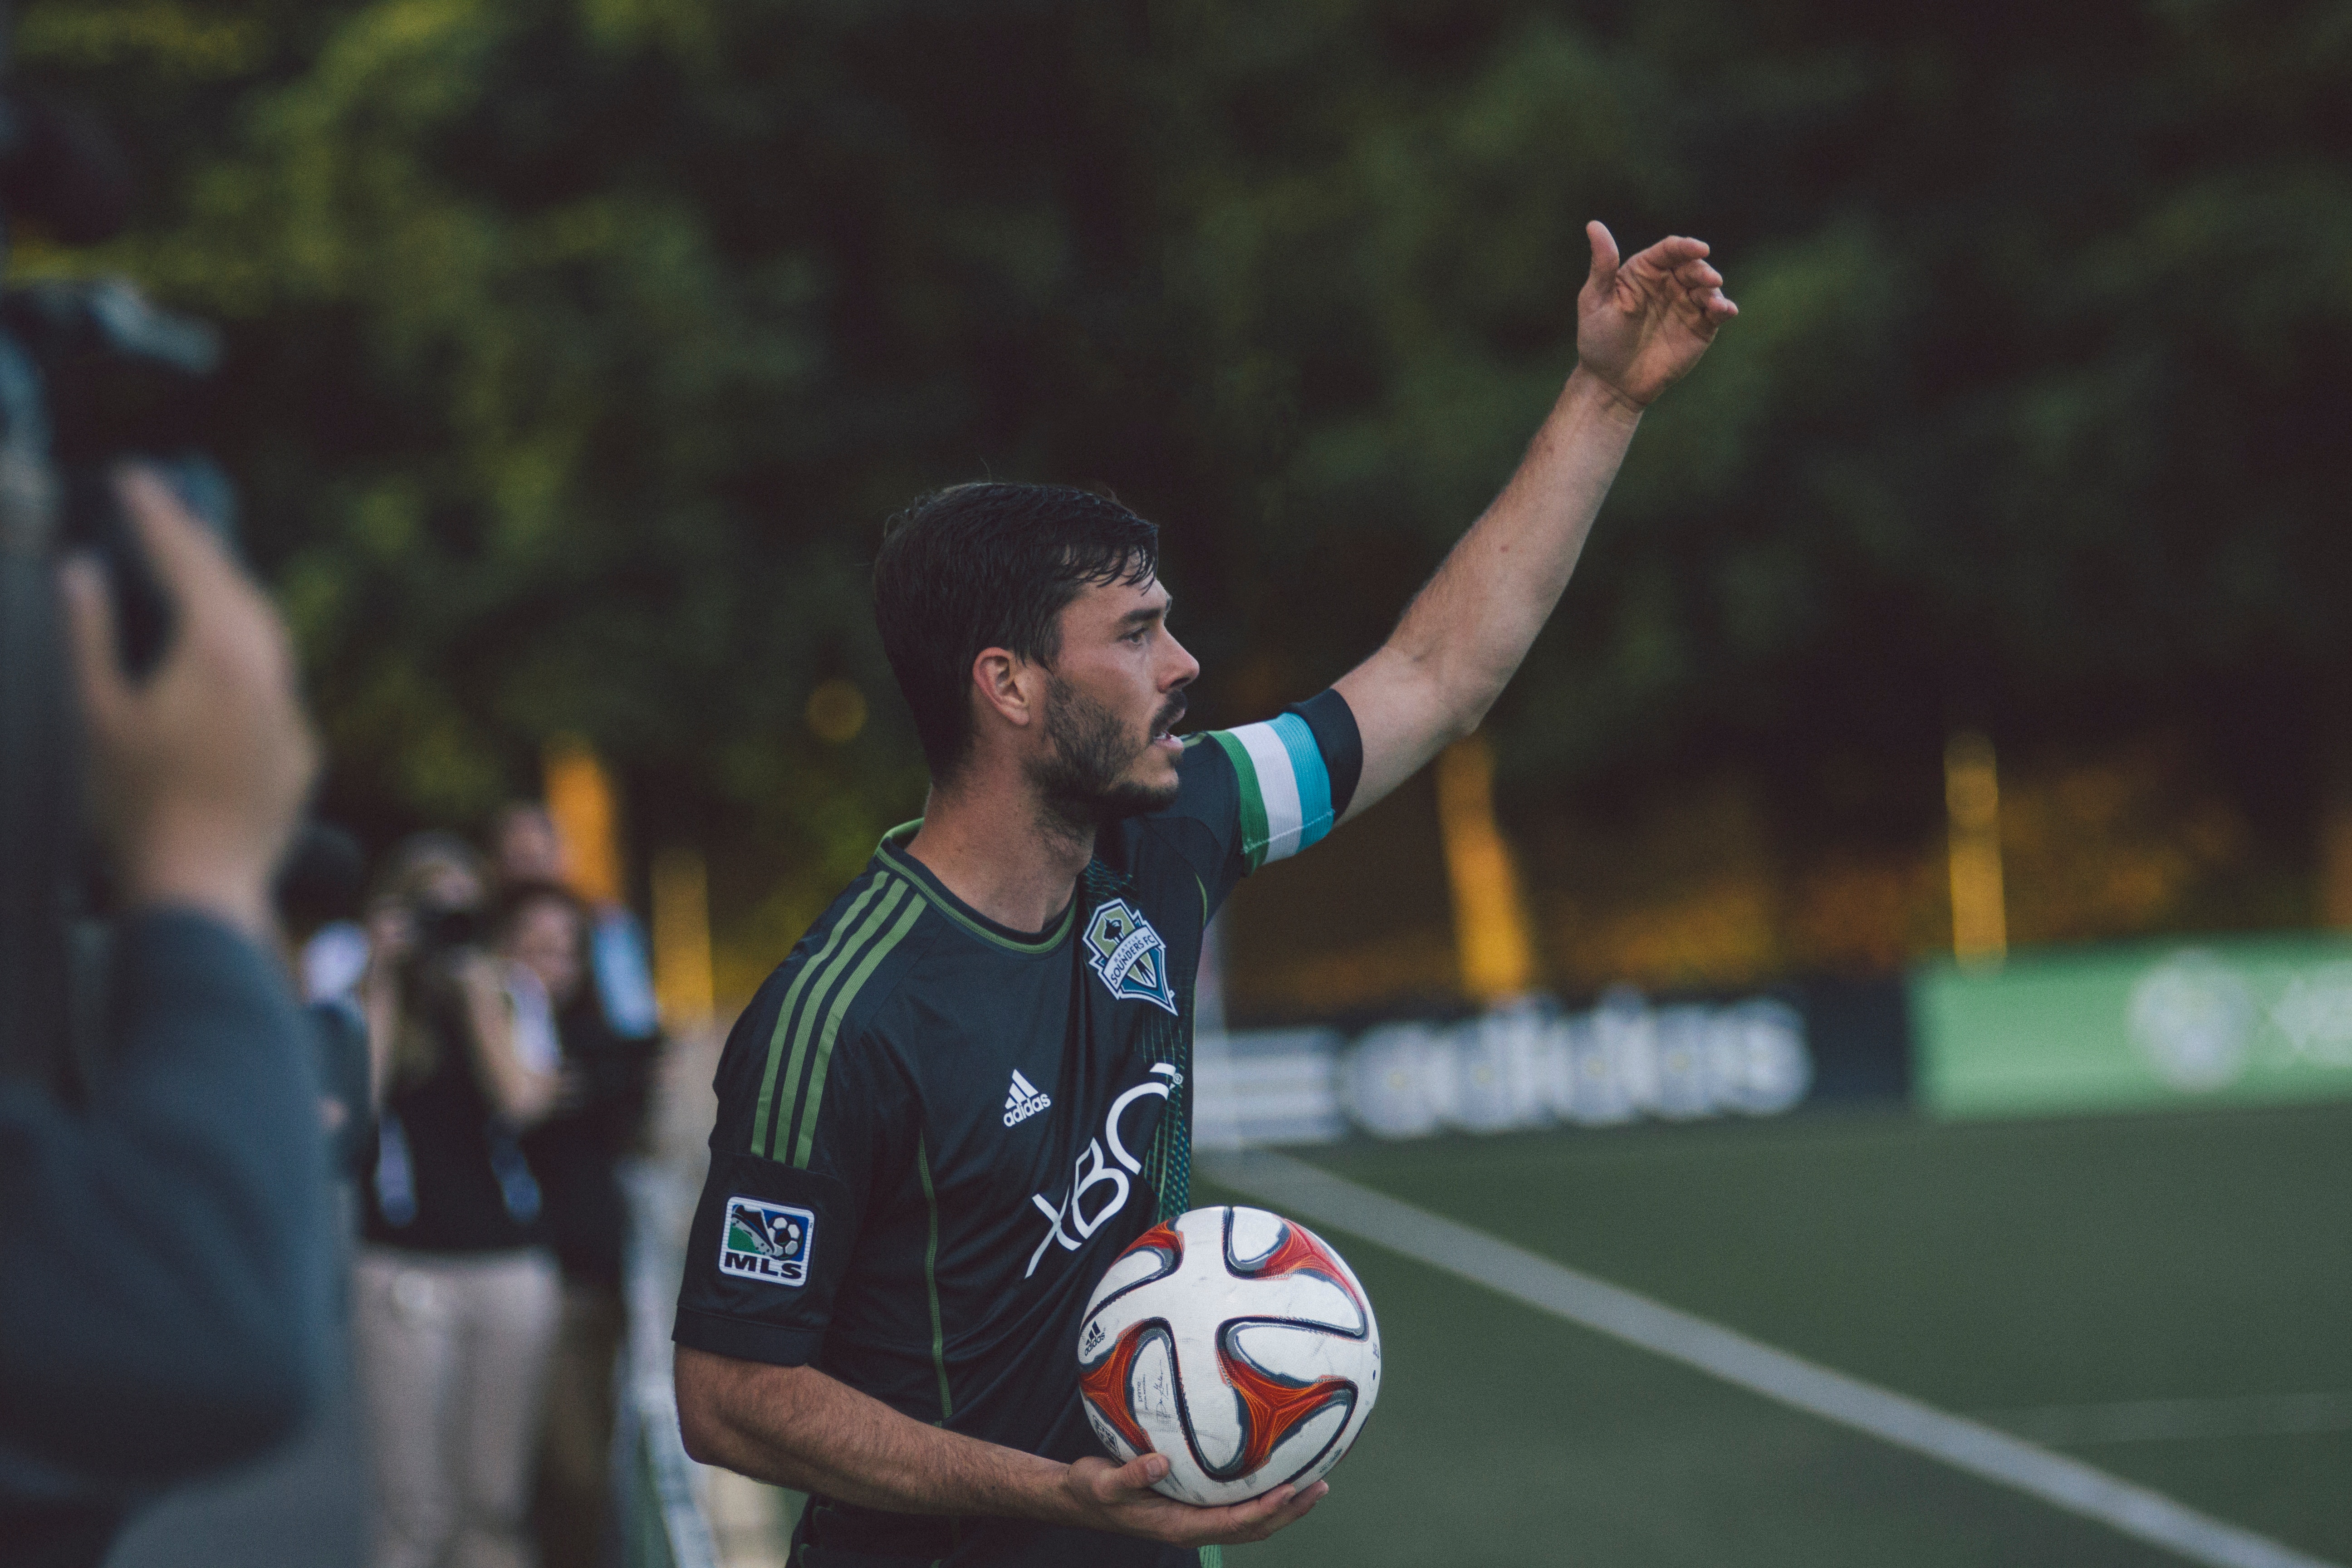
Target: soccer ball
[1235, 1343]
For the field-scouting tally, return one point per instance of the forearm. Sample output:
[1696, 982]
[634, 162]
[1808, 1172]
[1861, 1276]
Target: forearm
[1465, 632]
[797, 1427]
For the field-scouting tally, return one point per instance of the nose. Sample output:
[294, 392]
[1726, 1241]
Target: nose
[1182, 666]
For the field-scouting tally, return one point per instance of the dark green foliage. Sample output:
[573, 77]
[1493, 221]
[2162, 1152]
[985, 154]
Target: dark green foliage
[582, 345]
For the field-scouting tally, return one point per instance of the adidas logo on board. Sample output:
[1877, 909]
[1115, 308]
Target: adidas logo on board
[1024, 1101]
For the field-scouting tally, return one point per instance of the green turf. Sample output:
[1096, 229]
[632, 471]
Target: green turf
[1979, 1266]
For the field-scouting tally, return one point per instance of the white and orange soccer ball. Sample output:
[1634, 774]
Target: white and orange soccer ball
[1237, 1343]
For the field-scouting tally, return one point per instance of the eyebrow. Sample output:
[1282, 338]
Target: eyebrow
[1149, 614]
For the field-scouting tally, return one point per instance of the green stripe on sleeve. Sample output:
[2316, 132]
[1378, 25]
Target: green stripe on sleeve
[784, 1016]
[841, 1001]
[932, 1281]
[1252, 824]
[805, 1027]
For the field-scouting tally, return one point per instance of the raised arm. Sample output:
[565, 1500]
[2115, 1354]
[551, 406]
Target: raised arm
[1640, 325]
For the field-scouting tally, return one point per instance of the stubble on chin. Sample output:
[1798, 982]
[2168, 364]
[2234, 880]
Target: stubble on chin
[1082, 782]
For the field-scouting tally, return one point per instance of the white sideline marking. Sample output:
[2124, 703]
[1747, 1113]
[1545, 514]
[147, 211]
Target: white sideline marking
[1970, 1446]
[2177, 1420]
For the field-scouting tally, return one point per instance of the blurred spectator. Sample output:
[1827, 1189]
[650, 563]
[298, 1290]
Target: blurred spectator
[530, 849]
[456, 1297]
[320, 889]
[543, 935]
[165, 1299]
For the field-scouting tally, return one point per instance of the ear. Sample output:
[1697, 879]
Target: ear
[1009, 685]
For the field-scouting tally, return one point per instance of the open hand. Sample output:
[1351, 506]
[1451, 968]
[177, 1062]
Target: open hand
[1642, 324]
[1119, 1498]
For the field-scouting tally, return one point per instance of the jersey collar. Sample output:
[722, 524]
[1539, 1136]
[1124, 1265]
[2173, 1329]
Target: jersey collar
[892, 853]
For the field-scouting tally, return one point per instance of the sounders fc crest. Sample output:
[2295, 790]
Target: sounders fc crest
[1129, 955]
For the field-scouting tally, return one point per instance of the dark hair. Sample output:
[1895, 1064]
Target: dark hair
[321, 877]
[991, 565]
[517, 899]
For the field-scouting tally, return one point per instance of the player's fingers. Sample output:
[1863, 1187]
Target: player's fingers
[1136, 1476]
[90, 629]
[1603, 276]
[1242, 1521]
[1669, 255]
[1697, 274]
[1291, 1510]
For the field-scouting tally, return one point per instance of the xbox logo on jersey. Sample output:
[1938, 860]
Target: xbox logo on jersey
[1131, 957]
[767, 1242]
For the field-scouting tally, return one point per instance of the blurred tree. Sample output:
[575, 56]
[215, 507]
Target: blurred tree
[581, 345]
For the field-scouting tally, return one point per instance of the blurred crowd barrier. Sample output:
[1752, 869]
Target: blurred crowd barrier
[673, 1512]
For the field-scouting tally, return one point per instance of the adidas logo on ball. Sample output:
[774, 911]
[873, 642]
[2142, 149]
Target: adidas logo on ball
[1235, 1342]
[1026, 1100]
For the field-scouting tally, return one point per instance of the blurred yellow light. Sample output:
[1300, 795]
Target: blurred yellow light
[1972, 799]
[683, 981]
[580, 799]
[1490, 922]
[836, 712]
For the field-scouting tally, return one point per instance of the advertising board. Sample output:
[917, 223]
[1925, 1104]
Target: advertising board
[2227, 1021]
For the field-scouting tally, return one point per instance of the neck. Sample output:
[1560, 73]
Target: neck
[1001, 850]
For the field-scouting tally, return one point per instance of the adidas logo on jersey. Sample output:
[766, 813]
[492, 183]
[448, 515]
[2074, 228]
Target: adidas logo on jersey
[1026, 1100]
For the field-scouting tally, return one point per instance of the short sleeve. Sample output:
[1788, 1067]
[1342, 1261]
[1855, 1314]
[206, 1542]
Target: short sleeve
[1267, 791]
[779, 1220]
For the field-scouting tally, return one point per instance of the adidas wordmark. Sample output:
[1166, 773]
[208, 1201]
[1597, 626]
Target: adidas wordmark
[1024, 1101]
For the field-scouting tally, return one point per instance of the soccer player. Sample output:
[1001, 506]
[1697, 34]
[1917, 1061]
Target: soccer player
[967, 1089]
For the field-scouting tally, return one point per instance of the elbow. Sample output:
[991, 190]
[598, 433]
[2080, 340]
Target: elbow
[210, 1412]
[264, 1412]
[699, 1424]
[696, 1433]
[740, 1415]
[268, 1376]
[1462, 720]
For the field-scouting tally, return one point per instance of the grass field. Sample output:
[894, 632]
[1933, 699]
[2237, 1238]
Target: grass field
[2040, 1274]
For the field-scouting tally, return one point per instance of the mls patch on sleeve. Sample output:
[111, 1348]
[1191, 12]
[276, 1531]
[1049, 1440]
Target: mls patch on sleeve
[767, 1242]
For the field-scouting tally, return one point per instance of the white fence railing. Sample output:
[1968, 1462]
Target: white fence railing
[662, 1520]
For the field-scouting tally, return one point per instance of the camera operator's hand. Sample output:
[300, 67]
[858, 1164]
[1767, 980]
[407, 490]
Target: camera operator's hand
[198, 772]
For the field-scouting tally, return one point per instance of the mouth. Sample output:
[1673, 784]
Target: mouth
[1163, 729]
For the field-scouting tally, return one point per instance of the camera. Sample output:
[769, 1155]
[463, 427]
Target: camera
[444, 928]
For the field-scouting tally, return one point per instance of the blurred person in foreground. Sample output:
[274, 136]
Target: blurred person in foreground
[968, 1087]
[166, 1266]
[307, 1502]
[527, 849]
[454, 1295]
[541, 935]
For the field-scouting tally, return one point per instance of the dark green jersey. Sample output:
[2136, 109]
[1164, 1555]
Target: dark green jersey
[934, 1134]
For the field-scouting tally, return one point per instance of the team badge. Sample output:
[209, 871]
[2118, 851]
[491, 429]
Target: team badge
[1129, 955]
[766, 1242]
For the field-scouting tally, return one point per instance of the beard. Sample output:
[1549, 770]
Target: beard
[1089, 750]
